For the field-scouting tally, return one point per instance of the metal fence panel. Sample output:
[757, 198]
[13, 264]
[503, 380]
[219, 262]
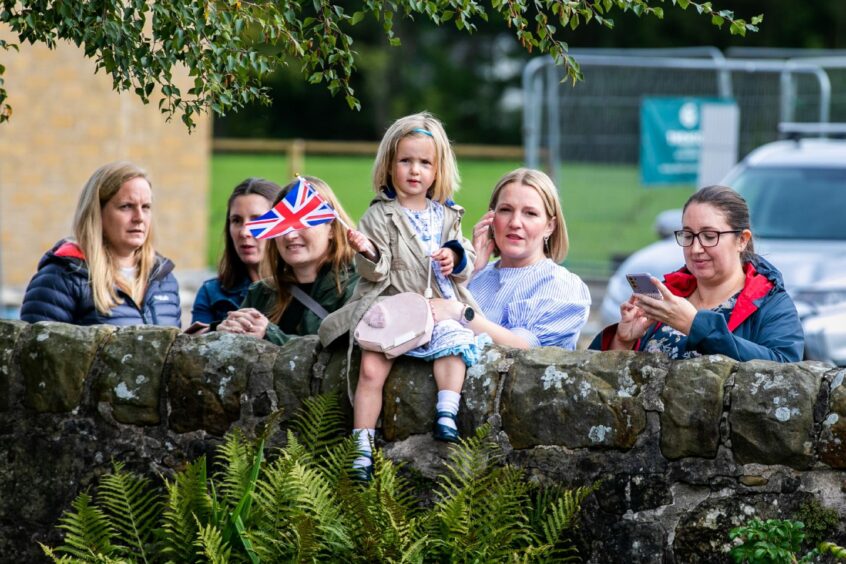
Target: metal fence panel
[588, 135]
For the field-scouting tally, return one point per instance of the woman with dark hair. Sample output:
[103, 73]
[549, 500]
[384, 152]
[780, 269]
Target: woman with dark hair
[725, 300]
[239, 265]
[309, 274]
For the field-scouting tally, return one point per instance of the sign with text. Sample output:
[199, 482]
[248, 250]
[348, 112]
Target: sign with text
[671, 139]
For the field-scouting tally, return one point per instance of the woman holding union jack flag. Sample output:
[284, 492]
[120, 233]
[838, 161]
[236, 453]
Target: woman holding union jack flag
[308, 273]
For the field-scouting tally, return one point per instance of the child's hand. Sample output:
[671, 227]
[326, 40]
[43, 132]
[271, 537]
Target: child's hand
[362, 244]
[446, 259]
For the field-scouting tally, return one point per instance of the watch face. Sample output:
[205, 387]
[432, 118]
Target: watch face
[469, 313]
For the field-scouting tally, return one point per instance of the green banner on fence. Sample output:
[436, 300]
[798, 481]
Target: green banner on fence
[671, 139]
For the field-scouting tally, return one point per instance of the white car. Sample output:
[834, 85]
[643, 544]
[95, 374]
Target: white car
[822, 307]
[796, 191]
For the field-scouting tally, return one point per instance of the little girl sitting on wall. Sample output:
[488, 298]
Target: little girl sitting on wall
[411, 219]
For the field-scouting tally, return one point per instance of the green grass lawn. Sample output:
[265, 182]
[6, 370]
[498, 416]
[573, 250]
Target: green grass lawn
[608, 213]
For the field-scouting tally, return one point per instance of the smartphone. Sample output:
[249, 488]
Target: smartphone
[641, 283]
[197, 328]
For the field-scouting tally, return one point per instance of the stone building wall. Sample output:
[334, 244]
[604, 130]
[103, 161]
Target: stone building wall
[685, 450]
[67, 122]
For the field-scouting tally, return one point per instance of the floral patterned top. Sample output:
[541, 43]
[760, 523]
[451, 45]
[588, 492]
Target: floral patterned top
[674, 344]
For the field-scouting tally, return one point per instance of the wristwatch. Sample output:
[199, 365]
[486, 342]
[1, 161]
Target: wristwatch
[467, 315]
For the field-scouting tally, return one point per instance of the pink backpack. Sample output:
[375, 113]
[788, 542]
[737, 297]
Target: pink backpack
[396, 324]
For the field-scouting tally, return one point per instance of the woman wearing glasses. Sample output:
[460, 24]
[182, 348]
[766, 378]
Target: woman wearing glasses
[725, 300]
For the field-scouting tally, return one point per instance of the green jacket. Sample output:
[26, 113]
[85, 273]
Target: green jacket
[262, 296]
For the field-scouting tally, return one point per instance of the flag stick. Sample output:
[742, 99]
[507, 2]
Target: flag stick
[344, 223]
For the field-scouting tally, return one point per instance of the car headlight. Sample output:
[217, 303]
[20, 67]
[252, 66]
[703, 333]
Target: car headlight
[821, 298]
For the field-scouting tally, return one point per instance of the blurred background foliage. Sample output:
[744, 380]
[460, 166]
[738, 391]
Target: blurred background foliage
[472, 82]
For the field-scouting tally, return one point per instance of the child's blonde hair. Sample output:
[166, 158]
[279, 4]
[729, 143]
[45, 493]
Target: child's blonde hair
[423, 124]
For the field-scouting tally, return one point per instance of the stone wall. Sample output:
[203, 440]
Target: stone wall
[685, 450]
[67, 122]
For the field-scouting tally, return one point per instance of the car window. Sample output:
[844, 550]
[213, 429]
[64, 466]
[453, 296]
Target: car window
[788, 203]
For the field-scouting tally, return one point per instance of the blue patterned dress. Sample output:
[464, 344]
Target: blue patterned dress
[449, 338]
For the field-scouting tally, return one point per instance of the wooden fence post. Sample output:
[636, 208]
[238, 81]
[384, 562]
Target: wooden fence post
[296, 158]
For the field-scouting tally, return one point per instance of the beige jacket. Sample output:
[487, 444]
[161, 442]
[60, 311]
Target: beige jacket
[402, 264]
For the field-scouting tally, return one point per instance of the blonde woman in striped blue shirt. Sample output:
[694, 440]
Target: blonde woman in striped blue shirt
[527, 299]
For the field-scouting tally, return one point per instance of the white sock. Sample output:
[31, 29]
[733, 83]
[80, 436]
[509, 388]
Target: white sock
[448, 402]
[364, 437]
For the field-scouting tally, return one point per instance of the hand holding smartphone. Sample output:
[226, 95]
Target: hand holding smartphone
[641, 283]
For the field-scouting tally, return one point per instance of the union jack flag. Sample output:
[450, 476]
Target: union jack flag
[301, 208]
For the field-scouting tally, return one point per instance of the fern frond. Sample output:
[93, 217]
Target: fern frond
[500, 511]
[382, 516]
[235, 458]
[392, 484]
[90, 559]
[188, 503]
[306, 544]
[467, 462]
[320, 423]
[562, 511]
[134, 508]
[210, 546]
[315, 498]
[556, 511]
[295, 450]
[336, 463]
[271, 545]
[87, 530]
[271, 494]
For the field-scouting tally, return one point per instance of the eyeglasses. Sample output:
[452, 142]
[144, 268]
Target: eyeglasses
[706, 238]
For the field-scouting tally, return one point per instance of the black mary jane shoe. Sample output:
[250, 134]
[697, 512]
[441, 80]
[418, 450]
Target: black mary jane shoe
[444, 433]
[363, 474]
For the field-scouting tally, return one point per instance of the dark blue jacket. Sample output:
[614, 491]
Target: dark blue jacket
[764, 323]
[213, 302]
[61, 291]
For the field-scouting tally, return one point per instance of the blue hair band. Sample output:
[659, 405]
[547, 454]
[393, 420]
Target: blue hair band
[423, 131]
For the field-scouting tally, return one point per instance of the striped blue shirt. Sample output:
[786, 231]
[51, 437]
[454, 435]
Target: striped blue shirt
[544, 303]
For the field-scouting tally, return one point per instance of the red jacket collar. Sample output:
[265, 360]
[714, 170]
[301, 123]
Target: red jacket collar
[756, 286]
[69, 249]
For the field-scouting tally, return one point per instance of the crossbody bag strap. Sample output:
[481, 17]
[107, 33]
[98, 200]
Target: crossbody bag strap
[308, 301]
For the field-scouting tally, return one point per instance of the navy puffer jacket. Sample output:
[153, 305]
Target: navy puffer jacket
[60, 291]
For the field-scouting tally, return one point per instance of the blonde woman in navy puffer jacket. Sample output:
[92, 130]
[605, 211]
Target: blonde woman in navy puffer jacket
[109, 273]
